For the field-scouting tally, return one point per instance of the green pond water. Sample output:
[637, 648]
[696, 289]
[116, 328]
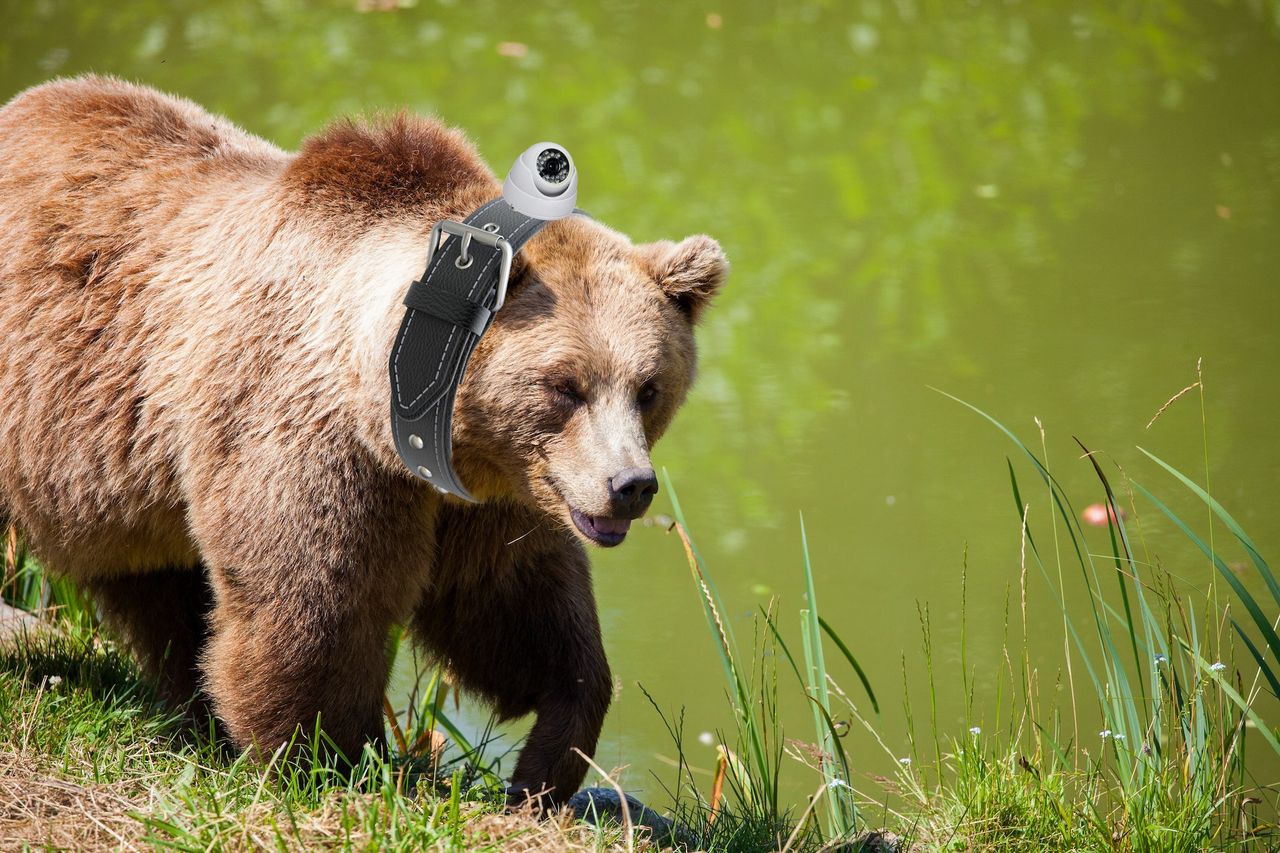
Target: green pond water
[1049, 210]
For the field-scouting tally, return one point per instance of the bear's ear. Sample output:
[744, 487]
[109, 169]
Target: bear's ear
[689, 272]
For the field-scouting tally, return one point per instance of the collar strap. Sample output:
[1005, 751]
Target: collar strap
[447, 311]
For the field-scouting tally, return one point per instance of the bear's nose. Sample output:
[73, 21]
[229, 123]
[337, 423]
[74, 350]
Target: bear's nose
[631, 490]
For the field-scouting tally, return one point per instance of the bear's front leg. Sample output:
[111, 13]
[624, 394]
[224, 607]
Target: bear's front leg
[274, 666]
[510, 610]
[310, 569]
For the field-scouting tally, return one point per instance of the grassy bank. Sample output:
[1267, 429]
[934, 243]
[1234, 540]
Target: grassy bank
[1144, 735]
[88, 762]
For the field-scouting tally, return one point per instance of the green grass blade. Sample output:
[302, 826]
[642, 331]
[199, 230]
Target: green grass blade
[708, 596]
[839, 793]
[1017, 500]
[1235, 697]
[822, 737]
[1059, 496]
[750, 725]
[842, 814]
[1226, 519]
[1074, 633]
[1110, 661]
[853, 662]
[1120, 541]
[813, 632]
[1250, 604]
[777, 635]
[1257, 656]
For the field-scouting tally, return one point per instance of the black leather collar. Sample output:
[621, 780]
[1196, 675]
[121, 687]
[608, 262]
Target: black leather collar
[447, 311]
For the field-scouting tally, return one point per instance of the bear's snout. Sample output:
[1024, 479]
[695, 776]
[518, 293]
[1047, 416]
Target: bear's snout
[631, 491]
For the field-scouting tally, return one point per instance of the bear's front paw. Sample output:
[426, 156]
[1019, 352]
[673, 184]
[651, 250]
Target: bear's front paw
[523, 798]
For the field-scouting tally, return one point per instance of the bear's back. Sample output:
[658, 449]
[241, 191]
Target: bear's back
[113, 127]
[95, 172]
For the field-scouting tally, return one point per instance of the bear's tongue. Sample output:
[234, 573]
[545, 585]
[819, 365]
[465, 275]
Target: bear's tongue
[611, 526]
[604, 531]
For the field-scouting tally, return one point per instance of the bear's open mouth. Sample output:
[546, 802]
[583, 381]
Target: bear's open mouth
[603, 531]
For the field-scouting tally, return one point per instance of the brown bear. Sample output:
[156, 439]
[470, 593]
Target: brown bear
[196, 327]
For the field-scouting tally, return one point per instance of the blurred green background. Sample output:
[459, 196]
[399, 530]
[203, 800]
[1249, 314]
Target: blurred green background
[1049, 209]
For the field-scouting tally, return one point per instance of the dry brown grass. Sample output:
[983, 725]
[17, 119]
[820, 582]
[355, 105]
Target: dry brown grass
[42, 808]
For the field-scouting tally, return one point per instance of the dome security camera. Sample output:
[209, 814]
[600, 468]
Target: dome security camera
[543, 183]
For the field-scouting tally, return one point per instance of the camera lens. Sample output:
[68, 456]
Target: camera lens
[553, 166]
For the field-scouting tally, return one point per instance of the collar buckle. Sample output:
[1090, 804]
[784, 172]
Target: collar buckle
[484, 237]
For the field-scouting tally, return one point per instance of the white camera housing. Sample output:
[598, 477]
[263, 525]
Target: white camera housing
[543, 183]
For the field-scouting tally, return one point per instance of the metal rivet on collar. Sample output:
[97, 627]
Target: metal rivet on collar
[424, 470]
[415, 441]
[491, 227]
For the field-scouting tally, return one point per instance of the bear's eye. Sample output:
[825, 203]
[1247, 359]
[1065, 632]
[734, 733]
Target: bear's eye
[568, 391]
[647, 395]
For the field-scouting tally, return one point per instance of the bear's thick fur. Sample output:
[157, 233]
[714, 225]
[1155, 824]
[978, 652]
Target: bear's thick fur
[194, 416]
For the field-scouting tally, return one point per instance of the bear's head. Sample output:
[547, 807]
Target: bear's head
[582, 371]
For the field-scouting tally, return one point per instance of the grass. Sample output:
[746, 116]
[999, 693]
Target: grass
[88, 762]
[1139, 744]
[1143, 736]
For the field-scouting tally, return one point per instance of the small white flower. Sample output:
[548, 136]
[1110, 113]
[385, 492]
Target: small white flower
[1118, 736]
[905, 762]
[55, 680]
[837, 783]
[1217, 667]
[1104, 734]
[706, 739]
[975, 731]
[1161, 659]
